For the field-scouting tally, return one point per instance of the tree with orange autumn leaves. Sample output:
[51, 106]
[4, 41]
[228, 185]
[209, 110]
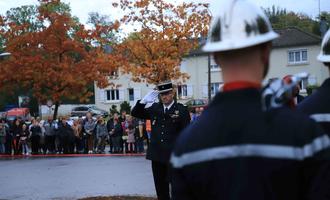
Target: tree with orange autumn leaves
[57, 61]
[166, 34]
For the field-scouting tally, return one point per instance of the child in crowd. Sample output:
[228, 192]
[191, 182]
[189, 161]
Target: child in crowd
[130, 130]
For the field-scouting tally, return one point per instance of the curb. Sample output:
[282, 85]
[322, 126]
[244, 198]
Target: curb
[73, 155]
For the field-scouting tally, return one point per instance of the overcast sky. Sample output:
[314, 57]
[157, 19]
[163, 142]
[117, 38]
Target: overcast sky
[81, 8]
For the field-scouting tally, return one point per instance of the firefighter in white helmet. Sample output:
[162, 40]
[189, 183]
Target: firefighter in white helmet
[318, 104]
[236, 150]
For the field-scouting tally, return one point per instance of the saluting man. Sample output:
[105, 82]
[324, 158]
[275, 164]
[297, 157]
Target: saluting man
[168, 119]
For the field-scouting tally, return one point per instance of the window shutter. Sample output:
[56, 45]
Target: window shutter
[190, 91]
[121, 95]
[137, 94]
[102, 95]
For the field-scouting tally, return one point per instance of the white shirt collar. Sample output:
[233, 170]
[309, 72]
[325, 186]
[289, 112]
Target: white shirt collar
[169, 106]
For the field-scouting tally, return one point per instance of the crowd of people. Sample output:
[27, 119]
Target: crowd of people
[89, 134]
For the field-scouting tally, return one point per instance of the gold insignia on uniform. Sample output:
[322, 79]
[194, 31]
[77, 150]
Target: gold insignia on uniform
[176, 115]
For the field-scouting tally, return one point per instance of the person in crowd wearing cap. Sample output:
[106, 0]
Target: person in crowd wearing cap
[168, 119]
[236, 150]
[318, 104]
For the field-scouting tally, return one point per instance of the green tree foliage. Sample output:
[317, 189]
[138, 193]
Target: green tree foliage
[25, 15]
[281, 19]
[113, 110]
[125, 107]
[101, 23]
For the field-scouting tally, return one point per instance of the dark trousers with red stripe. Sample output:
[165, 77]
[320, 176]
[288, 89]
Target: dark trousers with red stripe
[161, 178]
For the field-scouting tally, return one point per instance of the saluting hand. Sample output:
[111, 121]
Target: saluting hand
[150, 97]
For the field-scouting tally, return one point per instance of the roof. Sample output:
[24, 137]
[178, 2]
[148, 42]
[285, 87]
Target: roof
[295, 37]
[289, 37]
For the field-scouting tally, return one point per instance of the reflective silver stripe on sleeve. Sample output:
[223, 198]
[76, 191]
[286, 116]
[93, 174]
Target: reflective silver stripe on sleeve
[250, 150]
[325, 117]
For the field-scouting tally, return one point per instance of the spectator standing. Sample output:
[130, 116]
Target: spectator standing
[116, 133]
[35, 132]
[50, 127]
[101, 134]
[123, 143]
[109, 127]
[43, 147]
[130, 131]
[89, 127]
[16, 130]
[9, 137]
[140, 135]
[3, 133]
[66, 136]
[24, 139]
[77, 130]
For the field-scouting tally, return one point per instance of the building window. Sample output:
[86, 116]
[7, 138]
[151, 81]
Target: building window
[113, 74]
[112, 95]
[215, 88]
[182, 91]
[297, 56]
[131, 94]
[303, 84]
[213, 65]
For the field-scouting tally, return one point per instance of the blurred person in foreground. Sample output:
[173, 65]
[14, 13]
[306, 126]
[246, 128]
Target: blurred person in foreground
[236, 150]
[297, 98]
[168, 119]
[318, 104]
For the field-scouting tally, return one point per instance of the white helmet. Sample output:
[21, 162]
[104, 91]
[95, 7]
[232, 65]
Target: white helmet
[238, 24]
[324, 55]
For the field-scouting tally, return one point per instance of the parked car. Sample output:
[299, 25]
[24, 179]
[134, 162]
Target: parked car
[81, 111]
[196, 103]
[23, 113]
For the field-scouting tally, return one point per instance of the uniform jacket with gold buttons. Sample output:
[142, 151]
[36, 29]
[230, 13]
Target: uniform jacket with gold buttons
[165, 127]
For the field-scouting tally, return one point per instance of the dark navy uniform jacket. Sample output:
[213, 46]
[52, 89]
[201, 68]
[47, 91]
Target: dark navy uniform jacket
[236, 151]
[165, 128]
[318, 106]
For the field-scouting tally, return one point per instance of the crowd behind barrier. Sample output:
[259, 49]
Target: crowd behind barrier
[74, 135]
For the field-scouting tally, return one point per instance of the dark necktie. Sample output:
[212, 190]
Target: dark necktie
[166, 110]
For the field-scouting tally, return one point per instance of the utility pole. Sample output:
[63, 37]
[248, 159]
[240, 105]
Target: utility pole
[209, 76]
[320, 9]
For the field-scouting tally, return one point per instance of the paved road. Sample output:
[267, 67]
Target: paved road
[72, 178]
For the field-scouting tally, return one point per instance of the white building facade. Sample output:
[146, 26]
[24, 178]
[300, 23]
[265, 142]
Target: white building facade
[295, 51]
